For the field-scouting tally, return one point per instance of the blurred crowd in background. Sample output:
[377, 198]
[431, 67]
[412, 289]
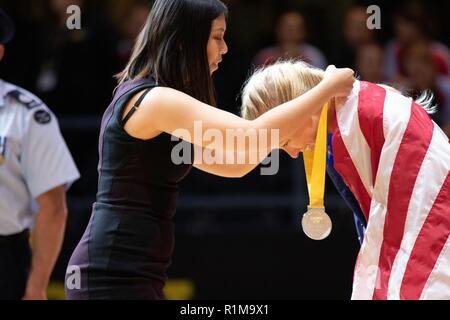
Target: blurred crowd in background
[72, 70]
[64, 67]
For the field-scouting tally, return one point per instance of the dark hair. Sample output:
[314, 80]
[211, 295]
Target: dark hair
[418, 15]
[172, 47]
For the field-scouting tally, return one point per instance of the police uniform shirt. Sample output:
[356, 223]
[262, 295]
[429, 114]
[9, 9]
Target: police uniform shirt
[34, 157]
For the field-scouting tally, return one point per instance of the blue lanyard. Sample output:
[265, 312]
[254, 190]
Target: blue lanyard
[346, 194]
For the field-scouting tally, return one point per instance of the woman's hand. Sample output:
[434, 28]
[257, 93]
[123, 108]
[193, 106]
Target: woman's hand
[35, 293]
[340, 80]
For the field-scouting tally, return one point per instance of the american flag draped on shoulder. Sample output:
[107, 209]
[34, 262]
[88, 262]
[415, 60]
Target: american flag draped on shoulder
[396, 161]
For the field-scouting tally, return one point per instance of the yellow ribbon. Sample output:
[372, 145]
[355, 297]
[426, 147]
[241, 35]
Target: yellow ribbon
[315, 164]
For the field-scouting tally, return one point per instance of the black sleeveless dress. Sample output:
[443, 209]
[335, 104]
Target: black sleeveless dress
[128, 243]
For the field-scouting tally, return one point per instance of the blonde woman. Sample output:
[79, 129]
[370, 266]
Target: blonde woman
[395, 161]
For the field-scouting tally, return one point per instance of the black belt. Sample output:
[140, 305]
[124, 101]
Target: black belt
[24, 235]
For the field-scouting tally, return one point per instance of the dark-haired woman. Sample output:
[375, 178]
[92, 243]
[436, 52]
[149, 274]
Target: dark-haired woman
[165, 89]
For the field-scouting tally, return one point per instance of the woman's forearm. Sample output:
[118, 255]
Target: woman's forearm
[294, 114]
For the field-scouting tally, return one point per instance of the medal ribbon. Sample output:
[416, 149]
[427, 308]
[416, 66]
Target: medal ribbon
[315, 164]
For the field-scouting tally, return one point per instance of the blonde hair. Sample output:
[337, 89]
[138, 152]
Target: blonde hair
[285, 80]
[271, 86]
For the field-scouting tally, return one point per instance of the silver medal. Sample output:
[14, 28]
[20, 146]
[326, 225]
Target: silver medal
[316, 223]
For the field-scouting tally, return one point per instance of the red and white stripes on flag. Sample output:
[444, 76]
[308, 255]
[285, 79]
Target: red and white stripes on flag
[396, 161]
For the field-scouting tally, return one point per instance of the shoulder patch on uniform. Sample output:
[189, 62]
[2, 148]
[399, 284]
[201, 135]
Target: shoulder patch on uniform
[42, 117]
[26, 100]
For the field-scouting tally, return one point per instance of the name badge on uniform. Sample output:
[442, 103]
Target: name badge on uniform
[2, 149]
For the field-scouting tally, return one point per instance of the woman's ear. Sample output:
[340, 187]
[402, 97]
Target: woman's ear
[2, 51]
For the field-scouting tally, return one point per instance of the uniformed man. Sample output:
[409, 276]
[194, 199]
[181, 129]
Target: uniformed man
[36, 169]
